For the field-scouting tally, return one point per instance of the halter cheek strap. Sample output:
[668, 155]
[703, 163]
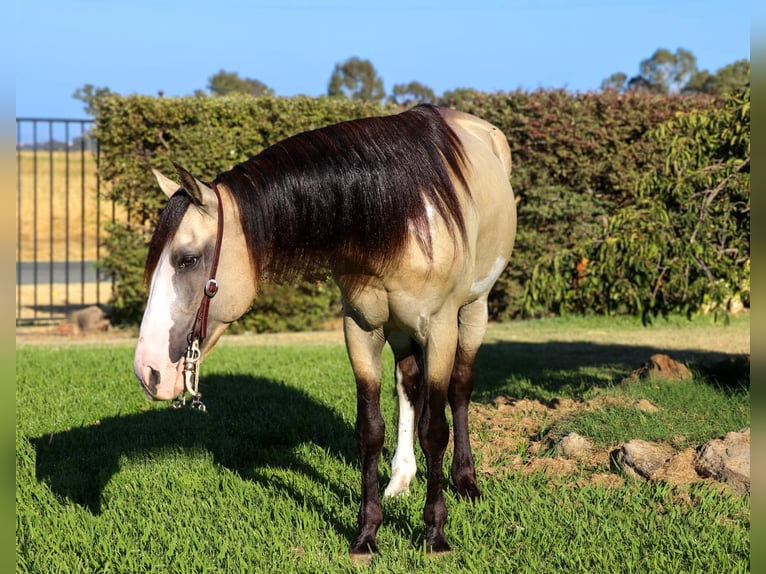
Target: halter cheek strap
[199, 329]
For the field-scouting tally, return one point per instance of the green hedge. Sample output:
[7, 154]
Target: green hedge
[682, 244]
[578, 160]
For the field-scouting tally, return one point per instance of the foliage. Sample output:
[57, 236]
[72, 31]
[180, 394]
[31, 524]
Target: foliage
[577, 162]
[732, 78]
[125, 264]
[356, 79]
[412, 93]
[224, 83]
[667, 72]
[90, 95]
[306, 305]
[576, 159]
[683, 243]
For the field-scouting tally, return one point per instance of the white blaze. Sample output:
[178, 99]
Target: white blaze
[153, 348]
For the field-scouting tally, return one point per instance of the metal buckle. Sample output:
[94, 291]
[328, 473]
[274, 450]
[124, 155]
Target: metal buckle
[211, 288]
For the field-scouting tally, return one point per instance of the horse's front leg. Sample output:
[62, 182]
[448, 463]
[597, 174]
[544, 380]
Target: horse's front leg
[364, 350]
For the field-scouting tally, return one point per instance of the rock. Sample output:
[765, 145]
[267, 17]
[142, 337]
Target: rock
[89, 320]
[642, 459]
[573, 446]
[646, 406]
[727, 460]
[735, 305]
[660, 366]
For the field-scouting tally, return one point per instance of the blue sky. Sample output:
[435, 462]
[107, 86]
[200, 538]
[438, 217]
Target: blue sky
[140, 46]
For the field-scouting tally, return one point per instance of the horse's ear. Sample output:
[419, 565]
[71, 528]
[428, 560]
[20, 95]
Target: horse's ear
[167, 185]
[201, 194]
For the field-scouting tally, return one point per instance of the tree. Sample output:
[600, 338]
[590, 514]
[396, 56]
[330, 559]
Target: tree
[459, 97]
[412, 93]
[732, 78]
[665, 72]
[90, 95]
[224, 83]
[616, 81]
[356, 79]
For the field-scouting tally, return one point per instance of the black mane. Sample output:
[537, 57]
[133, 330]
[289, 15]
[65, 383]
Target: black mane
[356, 191]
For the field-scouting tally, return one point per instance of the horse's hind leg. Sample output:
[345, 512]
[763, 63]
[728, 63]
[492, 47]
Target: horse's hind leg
[364, 350]
[408, 374]
[439, 355]
[472, 326]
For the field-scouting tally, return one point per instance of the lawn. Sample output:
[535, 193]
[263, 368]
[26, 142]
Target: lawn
[267, 479]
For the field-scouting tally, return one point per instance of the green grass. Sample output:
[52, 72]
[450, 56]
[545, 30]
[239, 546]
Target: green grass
[690, 412]
[267, 480]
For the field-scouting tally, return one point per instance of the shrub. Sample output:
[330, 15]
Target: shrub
[685, 240]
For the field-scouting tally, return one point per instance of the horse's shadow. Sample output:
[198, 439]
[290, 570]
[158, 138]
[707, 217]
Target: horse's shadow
[251, 423]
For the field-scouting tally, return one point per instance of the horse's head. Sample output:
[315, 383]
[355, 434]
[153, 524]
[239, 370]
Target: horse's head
[178, 267]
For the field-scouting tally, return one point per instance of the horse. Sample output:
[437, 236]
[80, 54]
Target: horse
[414, 217]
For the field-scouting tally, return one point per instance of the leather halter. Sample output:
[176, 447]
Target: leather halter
[199, 329]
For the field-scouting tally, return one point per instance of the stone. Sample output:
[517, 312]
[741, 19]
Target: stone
[642, 459]
[662, 367]
[89, 320]
[573, 446]
[646, 406]
[727, 460]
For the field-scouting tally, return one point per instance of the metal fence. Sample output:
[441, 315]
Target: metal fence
[60, 220]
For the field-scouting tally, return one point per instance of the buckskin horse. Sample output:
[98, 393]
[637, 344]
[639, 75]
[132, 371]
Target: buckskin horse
[413, 215]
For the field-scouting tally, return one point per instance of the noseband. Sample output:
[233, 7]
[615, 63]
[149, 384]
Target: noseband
[199, 329]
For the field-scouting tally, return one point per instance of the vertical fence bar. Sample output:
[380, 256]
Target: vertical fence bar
[98, 228]
[51, 255]
[82, 213]
[19, 209]
[34, 214]
[66, 214]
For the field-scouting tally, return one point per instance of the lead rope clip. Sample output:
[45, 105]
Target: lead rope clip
[191, 379]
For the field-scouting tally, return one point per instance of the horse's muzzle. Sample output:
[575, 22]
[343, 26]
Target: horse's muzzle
[158, 385]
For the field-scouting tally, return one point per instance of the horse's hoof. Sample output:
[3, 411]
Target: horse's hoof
[362, 559]
[468, 490]
[438, 548]
[363, 549]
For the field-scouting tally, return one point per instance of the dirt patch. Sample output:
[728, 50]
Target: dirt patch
[512, 436]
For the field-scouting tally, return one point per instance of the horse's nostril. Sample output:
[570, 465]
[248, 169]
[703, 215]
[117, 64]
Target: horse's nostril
[154, 381]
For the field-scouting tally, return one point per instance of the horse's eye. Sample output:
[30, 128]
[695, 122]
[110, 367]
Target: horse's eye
[187, 261]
